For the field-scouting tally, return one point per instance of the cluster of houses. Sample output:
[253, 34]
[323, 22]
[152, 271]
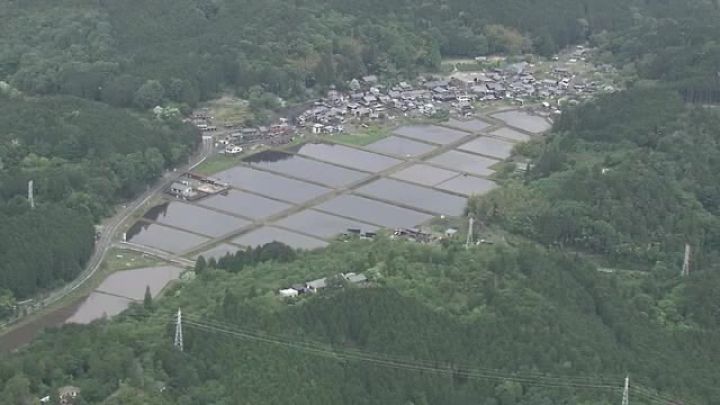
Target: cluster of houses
[315, 286]
[520, 83]
[192, 187]
[367, 99]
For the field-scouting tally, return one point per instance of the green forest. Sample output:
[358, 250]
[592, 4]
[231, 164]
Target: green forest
[520, 314]
[621, 184]
[83, 157]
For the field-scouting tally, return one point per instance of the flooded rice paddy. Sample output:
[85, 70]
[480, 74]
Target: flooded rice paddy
[347, 156]
[192, 217]
[475, 126]
[413, 196]
[467, 185]
[306, 196]
[524, 121]
[163, 237]
[218, 251]
[322, 225]
[268, 234]
[304, 199]
[374, 212]
[465, 162]
[511, 134]
[424, 175]
[403, 147]
[431, 133]
[489, 147]
[305, 169]
[245, 204]
[120, 289]
[271, 185]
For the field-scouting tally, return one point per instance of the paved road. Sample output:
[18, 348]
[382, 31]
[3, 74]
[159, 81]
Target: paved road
[113, 224]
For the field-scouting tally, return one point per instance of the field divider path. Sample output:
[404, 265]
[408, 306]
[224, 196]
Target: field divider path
[385, 173]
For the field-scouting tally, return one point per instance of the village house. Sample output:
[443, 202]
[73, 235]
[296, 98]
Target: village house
[181, 190]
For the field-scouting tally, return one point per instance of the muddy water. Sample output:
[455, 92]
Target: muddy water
[431, 133]
[120, 289]
[347, 156]
[489, 147]
[24, 334]
[162, 237]
[465, 162]
[425, 175]
[194, 218]
[374, 212]
[245, 204]
[523, 120]
[395, 145]
[304, 168]
[422, 198]
[268, 234]
[511, 134]
[322, 225]
[473, 125]
[271, 185]
[467, 185]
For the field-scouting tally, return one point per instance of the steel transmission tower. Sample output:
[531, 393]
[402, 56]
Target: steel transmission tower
[470, 232]
[31, 196]
[626, 392]
[686, 261]
[178, 331]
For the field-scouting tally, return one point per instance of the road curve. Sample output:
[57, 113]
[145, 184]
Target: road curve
[105, 242]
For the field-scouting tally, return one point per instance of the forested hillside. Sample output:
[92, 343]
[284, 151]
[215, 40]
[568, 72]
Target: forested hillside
[139, 52]
[83, 157]
[521, 314]
[622, 183]
[631, 177]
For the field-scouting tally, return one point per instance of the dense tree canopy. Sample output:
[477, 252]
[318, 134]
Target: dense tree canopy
[83, 157]
[519, 311]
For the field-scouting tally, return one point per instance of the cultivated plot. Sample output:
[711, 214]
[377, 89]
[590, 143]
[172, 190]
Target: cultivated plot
[163, 238]
[306, 169]
[194, 218]
[511, 134]
[125, 283]
[347, 156]
[218, 251]
[374, 212]
[271, 185]
[489, 147]
[524, 121]
[419, 197]
[474, 125]
[97, 306]
[431, 133]
[398, 146]
[322, 225]
[465, 162]
[468, 185]
[268, 234]
[245, 204]
[424, 174]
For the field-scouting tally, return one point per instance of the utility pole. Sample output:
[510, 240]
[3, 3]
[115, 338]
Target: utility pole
[626, 392]
[31, 196]
[686, 261]
[470, 232]
[178, 331]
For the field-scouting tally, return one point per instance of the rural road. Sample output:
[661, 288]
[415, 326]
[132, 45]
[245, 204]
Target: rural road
[113, 224]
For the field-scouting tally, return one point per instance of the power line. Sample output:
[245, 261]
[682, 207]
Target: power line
[450, 368]
[524, 374]
[405, 365]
